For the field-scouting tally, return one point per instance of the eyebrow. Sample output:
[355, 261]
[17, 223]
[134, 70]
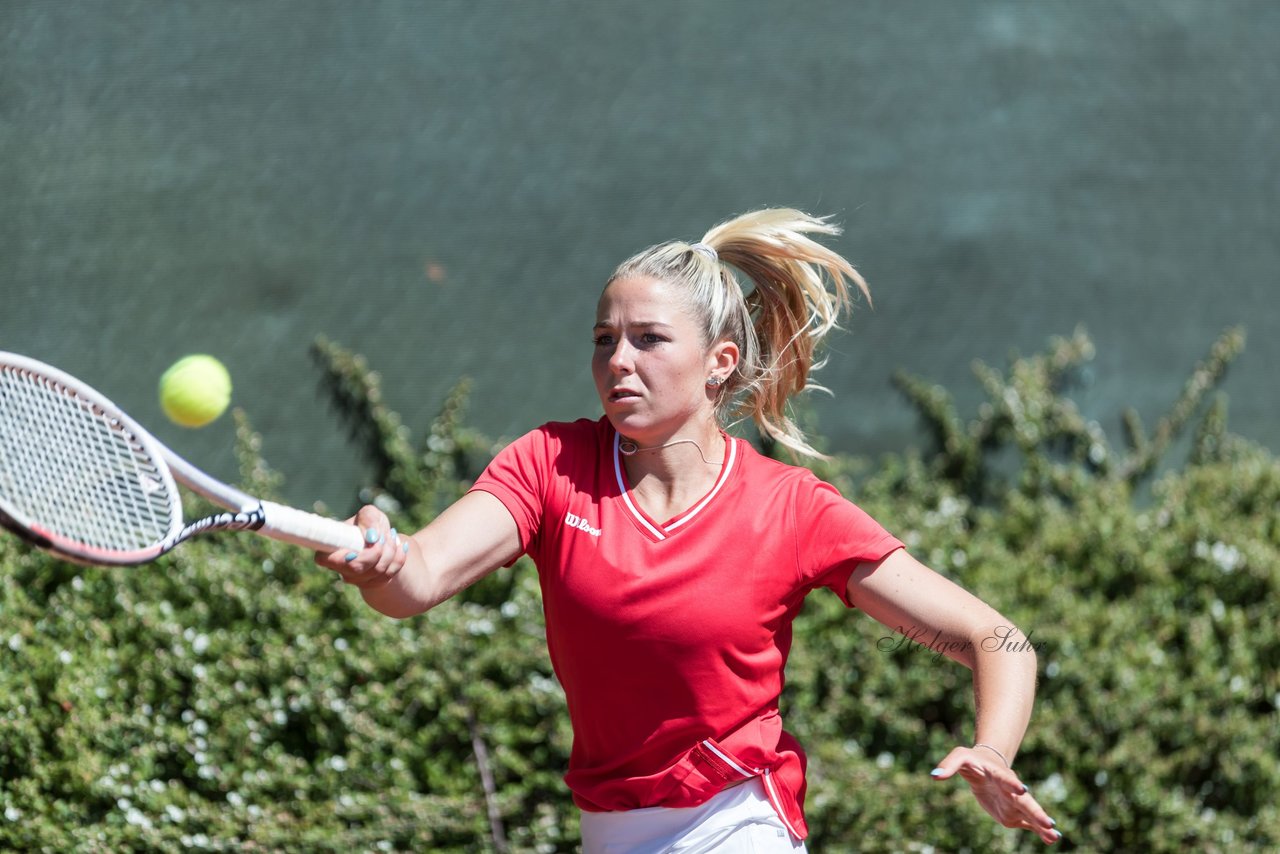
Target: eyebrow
[641, 324]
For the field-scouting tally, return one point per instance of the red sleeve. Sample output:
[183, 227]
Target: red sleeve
[518, 477]
[833, 536]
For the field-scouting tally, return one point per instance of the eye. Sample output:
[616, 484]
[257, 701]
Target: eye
[651, 338]
[602, 339]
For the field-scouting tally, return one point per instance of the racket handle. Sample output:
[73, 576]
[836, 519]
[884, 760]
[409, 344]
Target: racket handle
[309, 530]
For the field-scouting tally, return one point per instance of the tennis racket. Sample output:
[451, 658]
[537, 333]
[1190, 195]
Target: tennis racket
[81, 479]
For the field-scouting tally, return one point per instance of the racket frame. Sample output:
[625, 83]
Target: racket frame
[270, 519]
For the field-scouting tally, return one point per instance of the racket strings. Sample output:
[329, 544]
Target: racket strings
[75, 471]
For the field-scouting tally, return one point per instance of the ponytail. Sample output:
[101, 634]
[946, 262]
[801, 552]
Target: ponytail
[799, 290]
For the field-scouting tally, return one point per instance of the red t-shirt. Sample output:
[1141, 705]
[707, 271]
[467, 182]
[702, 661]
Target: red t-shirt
[670, 637]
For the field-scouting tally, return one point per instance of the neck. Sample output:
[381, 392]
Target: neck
[628, 448]
[678, 458]
[667, 477]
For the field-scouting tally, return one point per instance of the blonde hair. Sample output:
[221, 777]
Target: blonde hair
[799, 290]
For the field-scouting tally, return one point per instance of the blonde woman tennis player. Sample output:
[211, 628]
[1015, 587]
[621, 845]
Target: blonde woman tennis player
[673, 557]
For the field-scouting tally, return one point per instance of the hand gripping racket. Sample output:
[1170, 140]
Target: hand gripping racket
[79, 478]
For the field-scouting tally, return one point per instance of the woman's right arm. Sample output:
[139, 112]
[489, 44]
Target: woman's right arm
[403, 576]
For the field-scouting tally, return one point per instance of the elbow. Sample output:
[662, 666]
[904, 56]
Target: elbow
[402, 613]
[399, 607]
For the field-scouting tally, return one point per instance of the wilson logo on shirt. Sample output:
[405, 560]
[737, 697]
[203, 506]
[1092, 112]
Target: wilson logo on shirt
[581, 524]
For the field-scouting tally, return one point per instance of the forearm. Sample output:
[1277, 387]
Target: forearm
[1004, 684]
[405, 576]
[410, 592]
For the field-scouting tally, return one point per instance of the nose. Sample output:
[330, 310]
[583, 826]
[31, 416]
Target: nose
[621, 360]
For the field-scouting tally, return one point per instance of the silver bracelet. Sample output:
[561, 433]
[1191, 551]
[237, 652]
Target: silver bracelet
[996, 752]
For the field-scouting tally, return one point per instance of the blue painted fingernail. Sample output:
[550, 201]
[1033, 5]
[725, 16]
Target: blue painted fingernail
[393, 534]
[1025, 789]
[935, 772]
[1052, 823]
[405, 547]
[351, 556]
[371, 536]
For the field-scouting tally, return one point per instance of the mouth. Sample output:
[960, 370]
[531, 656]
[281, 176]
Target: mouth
[622, 394]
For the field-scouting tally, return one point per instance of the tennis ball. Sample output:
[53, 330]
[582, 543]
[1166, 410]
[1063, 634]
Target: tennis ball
[195, 391]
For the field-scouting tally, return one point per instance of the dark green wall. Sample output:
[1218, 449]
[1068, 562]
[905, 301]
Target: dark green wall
[444, 185]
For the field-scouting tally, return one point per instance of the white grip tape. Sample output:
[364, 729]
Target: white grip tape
[309, 530]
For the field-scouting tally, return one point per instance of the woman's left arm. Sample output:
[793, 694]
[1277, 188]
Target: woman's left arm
[908, 597]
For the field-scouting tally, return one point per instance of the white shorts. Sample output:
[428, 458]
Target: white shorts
[739, 820]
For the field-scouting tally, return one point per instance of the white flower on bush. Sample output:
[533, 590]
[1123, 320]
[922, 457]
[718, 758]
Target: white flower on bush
[540, 684]
[1052, 789]
[337, 763]
[479, 627]
[1226, 557]
[12, 813]
[64, 656]
[950, 509]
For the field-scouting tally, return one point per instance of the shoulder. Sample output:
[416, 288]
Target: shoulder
[763, 472]
[556, 440]
[575, 435]
[808, 498]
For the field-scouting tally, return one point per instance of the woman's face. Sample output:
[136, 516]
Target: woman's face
[650, 363]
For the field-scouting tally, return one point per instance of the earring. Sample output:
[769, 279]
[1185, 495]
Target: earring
[715, 382]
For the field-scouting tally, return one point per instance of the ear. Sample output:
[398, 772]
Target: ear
[722, 359]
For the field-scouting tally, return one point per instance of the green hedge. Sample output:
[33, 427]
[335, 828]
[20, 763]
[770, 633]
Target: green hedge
[232, 697]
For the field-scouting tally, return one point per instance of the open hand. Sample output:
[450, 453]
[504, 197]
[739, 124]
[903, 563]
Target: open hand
[998, 790]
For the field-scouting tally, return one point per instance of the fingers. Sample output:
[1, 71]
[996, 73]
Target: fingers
[1035, 819]
[976, 766]
[382, 557]
[999, 790]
